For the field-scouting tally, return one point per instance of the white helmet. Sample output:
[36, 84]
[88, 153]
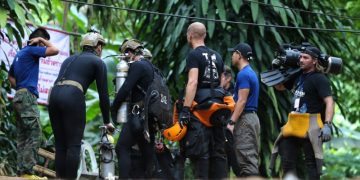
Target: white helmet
[92, 39]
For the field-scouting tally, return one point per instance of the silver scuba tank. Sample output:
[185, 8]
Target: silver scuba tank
[121, 74]
[107, 155]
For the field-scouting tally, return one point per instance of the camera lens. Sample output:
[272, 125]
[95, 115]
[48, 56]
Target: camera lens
[334, 65]
[292, 58]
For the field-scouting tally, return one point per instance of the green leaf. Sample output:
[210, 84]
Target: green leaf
[20, 28]
[257, 47]
[254, 11]
[179, 27]
[33, 6]
[261, 20]
[283, 17]
[277, 36]
[204, 6]
[211, 24]
[169, 5]
[20, 14]
[3, 17]
[236, 4]
[281, 11]
[292, 17]
[14, 32]
[306, 3]
[11, 4]
[221, 10]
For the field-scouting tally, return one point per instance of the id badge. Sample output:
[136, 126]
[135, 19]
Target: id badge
[297, 103]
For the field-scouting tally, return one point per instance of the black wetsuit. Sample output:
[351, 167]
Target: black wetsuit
[140, 74]
[67, 108]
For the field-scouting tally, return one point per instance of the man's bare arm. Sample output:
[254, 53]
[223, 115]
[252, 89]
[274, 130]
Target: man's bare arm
[51, 50]
[191, 86]
[12, 81]
[329, 110]
[280, 87]
[240, 104]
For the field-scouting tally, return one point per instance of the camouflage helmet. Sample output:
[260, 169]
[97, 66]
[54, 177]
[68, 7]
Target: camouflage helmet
[92, 39]
[132, 44]
[147, 54]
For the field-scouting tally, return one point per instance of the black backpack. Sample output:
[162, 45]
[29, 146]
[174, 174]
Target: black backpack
[157, 103]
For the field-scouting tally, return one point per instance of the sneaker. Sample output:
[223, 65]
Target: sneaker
[31, 176]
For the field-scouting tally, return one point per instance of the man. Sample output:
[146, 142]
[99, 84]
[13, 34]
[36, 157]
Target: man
[23, 76]
[244, 122]
[312, 100]
[202, 144]
[67, 108]
[226, 80]
[226, 83]
[140, 76]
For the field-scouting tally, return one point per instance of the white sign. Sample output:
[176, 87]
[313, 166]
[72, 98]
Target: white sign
[49, 66]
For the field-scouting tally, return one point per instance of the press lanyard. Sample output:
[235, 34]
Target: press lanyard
[300, 89]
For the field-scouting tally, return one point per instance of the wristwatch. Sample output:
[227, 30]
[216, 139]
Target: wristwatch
[231, 122]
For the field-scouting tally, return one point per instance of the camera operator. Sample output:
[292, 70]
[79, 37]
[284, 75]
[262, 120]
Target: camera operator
[309, 123]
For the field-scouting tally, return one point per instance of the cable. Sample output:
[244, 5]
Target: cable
[215, 20]
[306, 11]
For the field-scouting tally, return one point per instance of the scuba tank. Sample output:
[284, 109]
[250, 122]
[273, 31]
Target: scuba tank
[107, 155]
[121, 74]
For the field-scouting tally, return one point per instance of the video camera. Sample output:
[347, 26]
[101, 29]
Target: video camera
[289, 56]
[286, 64]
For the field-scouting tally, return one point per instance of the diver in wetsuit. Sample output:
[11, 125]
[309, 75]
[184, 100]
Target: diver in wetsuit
[67, 102]
[140, 76]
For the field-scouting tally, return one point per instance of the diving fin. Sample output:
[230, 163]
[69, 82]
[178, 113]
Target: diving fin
[272, 77]
[291, 73]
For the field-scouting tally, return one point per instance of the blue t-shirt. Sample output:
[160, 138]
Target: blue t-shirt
[247, 79]
[25, 68]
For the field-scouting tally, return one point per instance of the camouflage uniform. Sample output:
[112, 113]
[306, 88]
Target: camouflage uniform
[28, 130]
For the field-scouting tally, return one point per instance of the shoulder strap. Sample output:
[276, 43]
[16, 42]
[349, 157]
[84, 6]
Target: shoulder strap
[147, 99]
[67, 66]
[153, 68]
[212, 74]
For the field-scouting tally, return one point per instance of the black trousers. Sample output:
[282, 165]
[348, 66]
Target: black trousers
[206, 150]
[127, 138]
[289, 149]
[68, 118]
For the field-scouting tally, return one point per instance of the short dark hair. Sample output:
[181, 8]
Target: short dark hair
[40, 32]
[227, 71]
[88, 48]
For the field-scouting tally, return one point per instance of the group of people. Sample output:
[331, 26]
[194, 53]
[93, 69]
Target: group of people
[212, 149]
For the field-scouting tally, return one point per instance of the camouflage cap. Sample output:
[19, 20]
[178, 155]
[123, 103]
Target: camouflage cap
[132, 44]
[92, 39]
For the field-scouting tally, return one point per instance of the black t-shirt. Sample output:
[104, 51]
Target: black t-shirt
[140, 73]
[85, 68]
[201, 58]
[310, 89]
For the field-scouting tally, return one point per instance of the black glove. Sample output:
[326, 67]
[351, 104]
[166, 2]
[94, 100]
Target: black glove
[114, 81]
[325, 133]
[184, 116]
[276, 63]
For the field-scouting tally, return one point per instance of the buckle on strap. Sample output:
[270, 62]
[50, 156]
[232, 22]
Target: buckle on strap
[22, 90]
[135, 109]
[70, 82]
